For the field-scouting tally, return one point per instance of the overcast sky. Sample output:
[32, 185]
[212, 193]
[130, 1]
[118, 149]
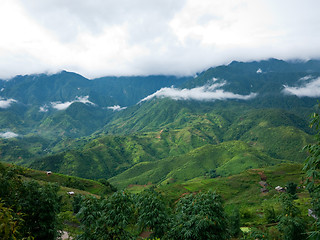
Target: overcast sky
[140, 37]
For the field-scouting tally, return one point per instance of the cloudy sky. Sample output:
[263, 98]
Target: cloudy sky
[141, 37]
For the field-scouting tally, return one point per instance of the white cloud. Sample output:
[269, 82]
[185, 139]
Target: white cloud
[309, 89]
[308, 77]
[124, 37]
[5, 103]
[64, 105]
[204, 93]
[8, 135]
[44, 108]
[116, 108]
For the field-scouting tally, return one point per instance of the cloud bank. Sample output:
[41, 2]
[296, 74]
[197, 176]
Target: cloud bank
[308, 89]
[5, 103]
[64, 105]
[116, 108]
[8, 134]
[102, 37]
[205, 93]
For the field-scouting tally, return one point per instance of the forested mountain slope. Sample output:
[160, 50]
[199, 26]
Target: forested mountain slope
[227, 119]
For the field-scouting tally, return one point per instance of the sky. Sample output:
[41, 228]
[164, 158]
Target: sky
[142, 37]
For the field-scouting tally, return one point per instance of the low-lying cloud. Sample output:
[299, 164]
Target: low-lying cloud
[64, 105]
[116, 108]
[5, 103]
[205, 93]
[44, 108]
[8, 134]
[308, 89]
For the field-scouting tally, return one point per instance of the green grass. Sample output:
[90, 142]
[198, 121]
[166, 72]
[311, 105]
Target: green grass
[243, 190]
[227, 158]
[70, 183]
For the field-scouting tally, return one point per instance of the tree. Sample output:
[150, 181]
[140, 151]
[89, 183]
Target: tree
[107, 218]
[292, 189]
[10, 223]
[40, 205]
[89, 213]
[270, 214]
[312, 168]
[291, 225]
[200, 216]
[234, 222]
[77, 202]
[37, 205]
[152, 212]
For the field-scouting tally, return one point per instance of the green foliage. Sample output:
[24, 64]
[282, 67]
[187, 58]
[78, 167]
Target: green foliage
[213, 173]
[199, 216]
[107, 218]
[109, 188]
[255, 234]
[291, 225]
[234, 222]
[40, 204]
[227, 158]
[152, 213]
[312, 168]
[291, 188]
[37, 205]
[270, 214]
[69, 223]
[10, 224]
[77, 202]
[88, 214]
[312, 163]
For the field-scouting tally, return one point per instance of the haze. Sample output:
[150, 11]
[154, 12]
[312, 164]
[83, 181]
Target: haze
[142, 37]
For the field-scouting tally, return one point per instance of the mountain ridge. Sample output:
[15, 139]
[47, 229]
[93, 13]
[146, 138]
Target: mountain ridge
[173, 125]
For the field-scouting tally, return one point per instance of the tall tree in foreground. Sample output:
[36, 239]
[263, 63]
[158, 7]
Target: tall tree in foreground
[152, 213]
[291, 225]
[312, 168]
[200, 216]
[107, 218]
[33, 206]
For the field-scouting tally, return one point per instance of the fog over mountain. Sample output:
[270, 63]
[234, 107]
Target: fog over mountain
[99, 38]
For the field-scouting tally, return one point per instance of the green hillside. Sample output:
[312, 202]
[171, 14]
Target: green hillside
[67, 183]
[198, 139]
[242, 188]
[161, 139]
[227, 158]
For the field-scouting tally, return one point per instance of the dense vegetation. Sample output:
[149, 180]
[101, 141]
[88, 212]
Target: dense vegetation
[191, 169]
[172, 211]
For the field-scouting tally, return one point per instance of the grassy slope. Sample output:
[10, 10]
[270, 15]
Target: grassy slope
[227, 158]
[263, 136]
[243, 190]
[67, 183]
[255, 138]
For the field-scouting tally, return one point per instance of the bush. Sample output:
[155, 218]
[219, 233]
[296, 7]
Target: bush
[199, 216]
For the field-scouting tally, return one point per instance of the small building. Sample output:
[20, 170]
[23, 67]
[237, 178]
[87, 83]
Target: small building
[280, 189]
[264, 190]
[70, 193]
[49, 173]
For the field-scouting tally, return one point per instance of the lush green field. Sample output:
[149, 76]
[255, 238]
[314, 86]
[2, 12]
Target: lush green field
[244, 192]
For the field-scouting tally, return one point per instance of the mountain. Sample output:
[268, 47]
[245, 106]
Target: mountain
[228, 141]
[62, 103]
[65, 86]
[227, 119]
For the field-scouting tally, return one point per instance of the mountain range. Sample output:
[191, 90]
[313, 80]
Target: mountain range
[160, 129]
